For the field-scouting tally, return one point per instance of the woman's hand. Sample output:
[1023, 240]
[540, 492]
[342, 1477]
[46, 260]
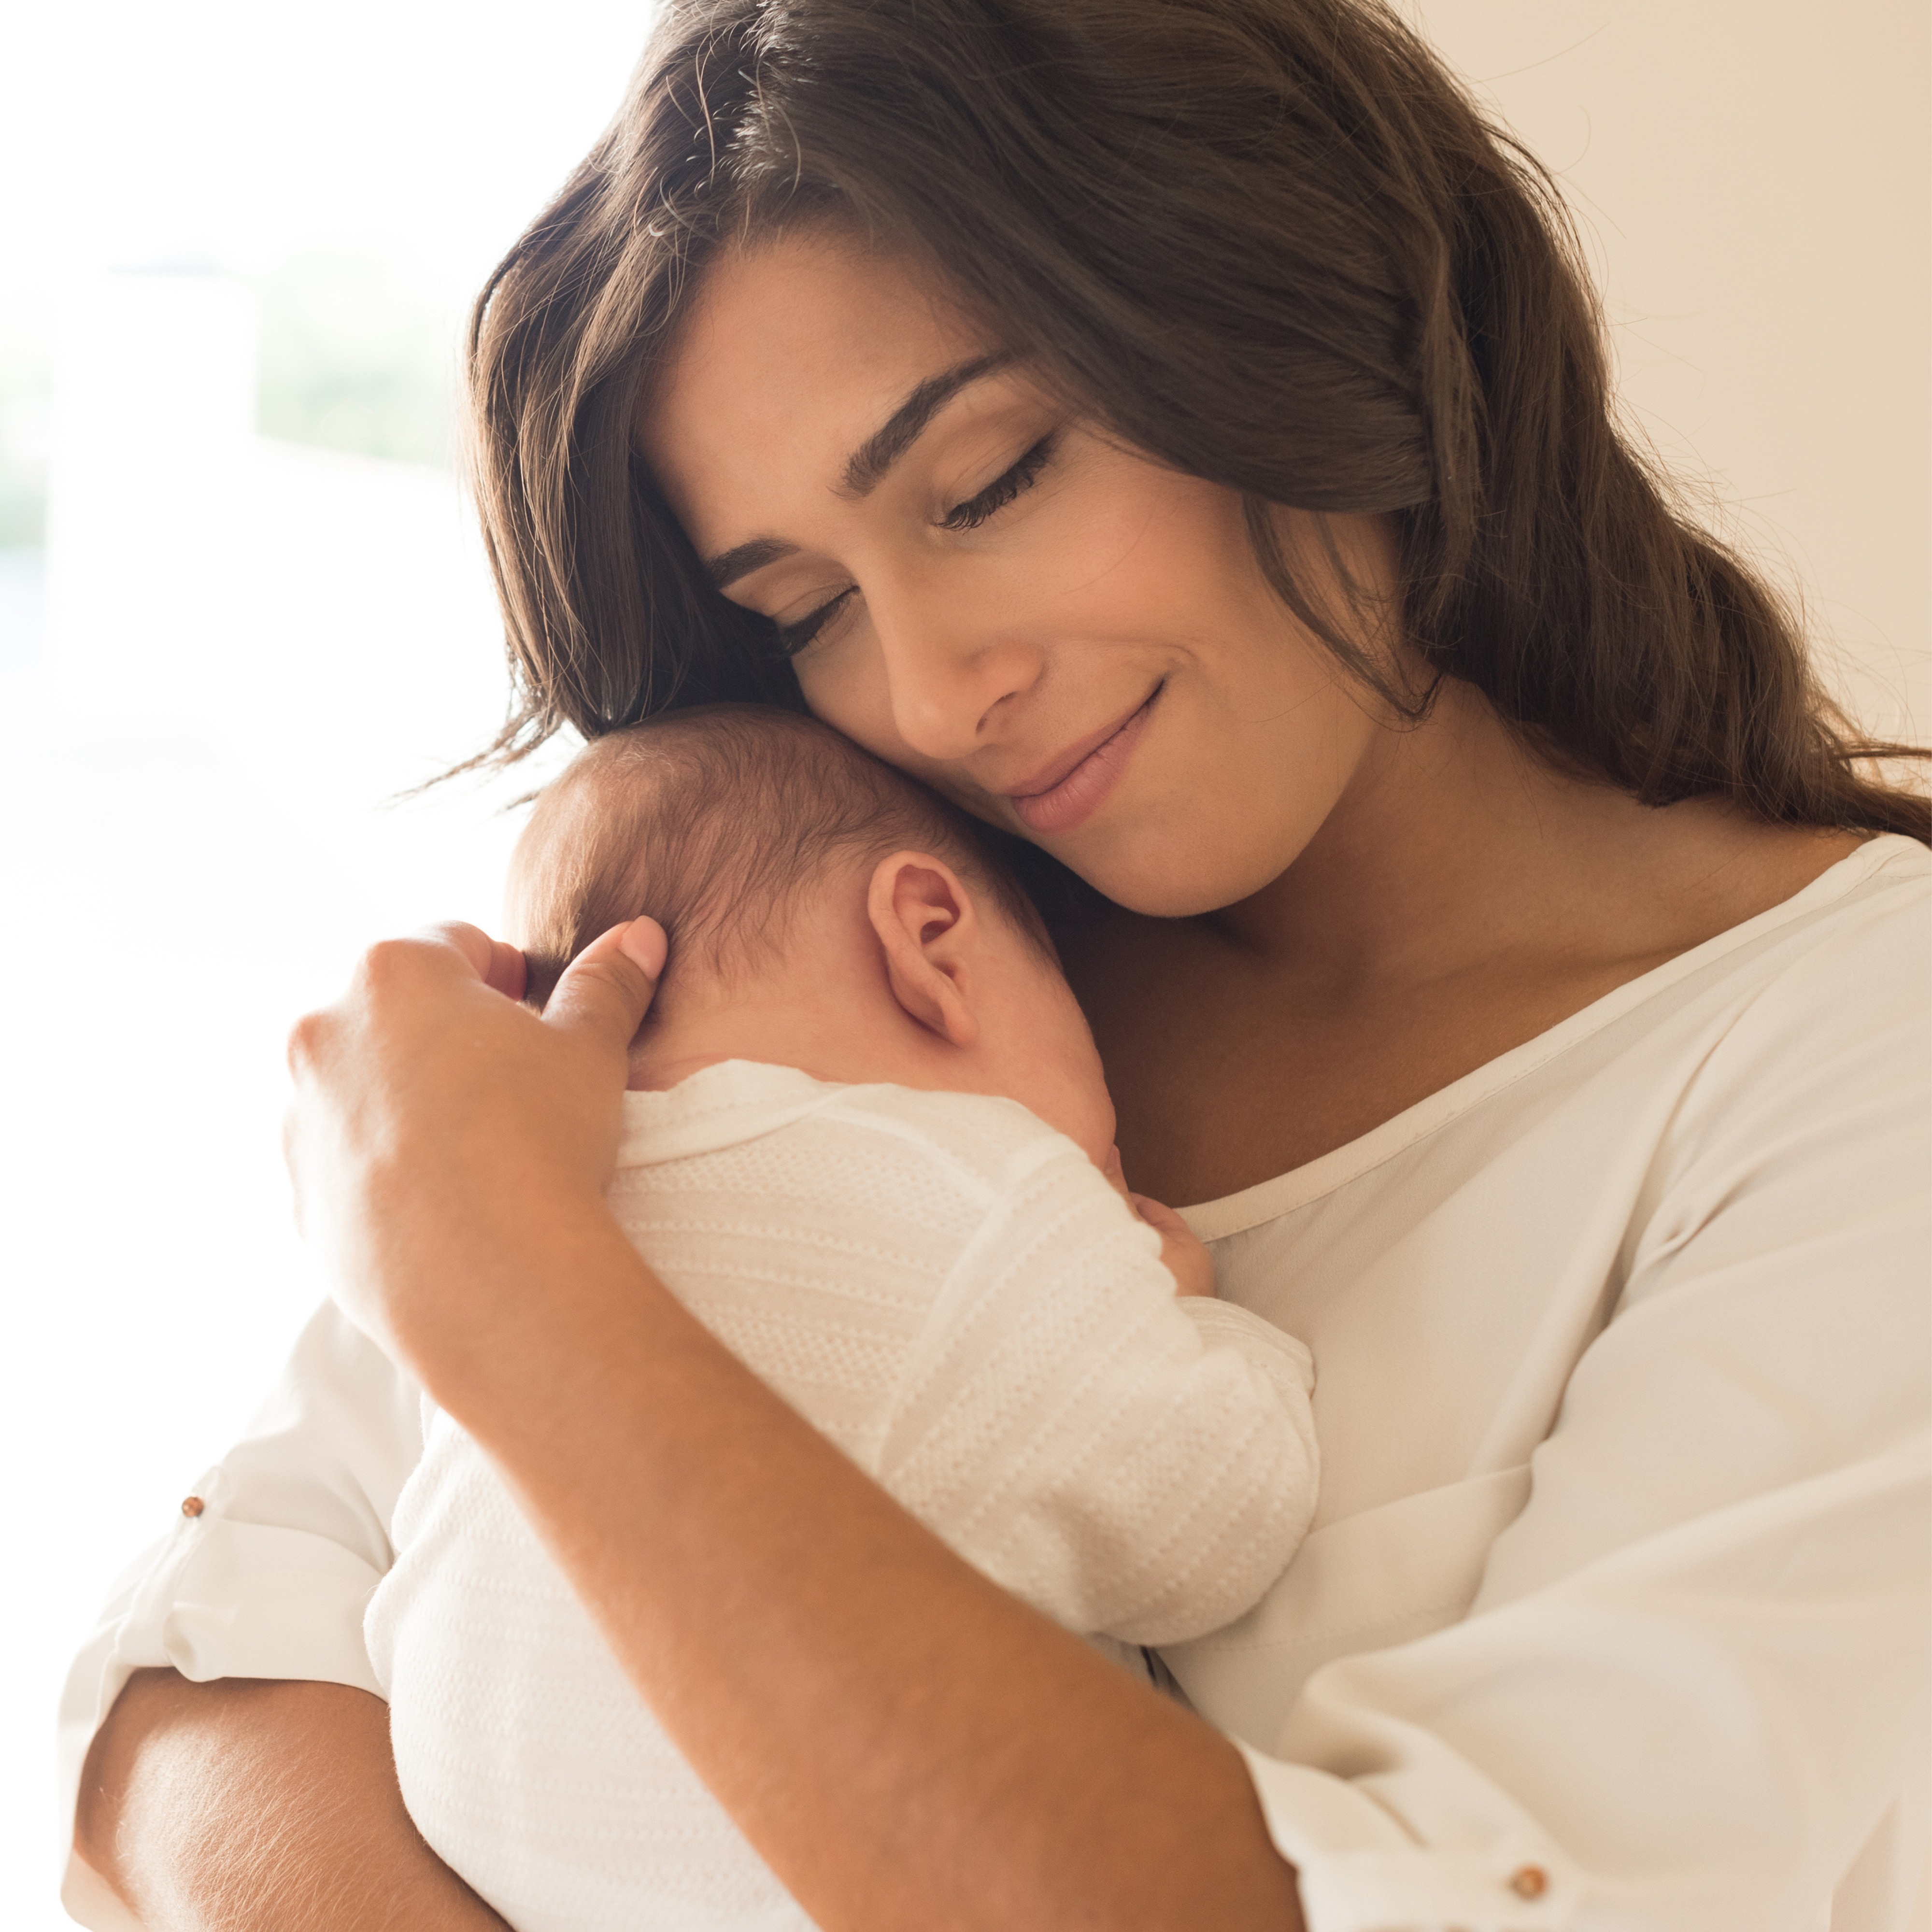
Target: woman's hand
[441, 1130]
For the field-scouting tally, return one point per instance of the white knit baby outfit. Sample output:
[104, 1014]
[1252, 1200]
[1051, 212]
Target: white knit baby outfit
[952, 1293]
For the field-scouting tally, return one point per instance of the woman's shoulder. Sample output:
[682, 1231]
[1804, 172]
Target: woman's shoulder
[1887, 874]
[1823, 995]
[1845, 958]
[1851, 952]
[1832, 1002]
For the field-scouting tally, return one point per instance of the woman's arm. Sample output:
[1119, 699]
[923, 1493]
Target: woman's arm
[905, 1743]
[245, 1806]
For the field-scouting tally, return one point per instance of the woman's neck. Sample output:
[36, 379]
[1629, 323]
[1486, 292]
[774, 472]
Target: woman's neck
[1461, 899]
[1456, 847]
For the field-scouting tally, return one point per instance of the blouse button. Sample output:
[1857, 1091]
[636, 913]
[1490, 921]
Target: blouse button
[1529, 1881]
[193, 1506]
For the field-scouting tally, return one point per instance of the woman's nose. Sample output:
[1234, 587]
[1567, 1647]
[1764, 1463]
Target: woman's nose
[949, 668]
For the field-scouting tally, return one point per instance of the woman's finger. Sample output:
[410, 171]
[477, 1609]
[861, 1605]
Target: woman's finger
[498, 964]
[505, 973]
[476, 945]
[606, 991]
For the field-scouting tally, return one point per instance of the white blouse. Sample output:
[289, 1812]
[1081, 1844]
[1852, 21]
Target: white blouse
[1614, 1616]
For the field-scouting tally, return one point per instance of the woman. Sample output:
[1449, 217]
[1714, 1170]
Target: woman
[1180, 433]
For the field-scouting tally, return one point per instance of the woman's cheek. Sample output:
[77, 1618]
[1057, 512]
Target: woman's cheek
[846, 683]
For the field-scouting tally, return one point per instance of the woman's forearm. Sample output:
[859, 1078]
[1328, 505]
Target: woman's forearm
[243, 1806]
[907, 1746]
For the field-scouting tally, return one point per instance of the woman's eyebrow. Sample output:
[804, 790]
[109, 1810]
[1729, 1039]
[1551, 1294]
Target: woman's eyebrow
[728, 565]
[868, 463]
[886, 445]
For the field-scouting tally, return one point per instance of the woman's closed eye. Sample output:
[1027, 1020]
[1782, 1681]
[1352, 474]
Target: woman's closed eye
[970, 515]
[1003, 488]
[792, 638]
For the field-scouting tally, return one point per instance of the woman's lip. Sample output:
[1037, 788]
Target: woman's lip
[1075, 793]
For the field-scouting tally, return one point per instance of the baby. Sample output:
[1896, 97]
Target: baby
[869, 1145]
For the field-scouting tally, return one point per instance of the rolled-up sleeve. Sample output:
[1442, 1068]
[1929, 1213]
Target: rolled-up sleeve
[267, 1569]
[1705, 1731]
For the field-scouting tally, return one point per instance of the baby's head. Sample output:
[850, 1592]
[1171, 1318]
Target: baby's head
[824, 911]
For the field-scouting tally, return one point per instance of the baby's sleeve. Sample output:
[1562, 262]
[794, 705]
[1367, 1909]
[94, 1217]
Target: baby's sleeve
[1127, 1460]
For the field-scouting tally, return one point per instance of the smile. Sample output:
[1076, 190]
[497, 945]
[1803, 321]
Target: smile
[1072, 793]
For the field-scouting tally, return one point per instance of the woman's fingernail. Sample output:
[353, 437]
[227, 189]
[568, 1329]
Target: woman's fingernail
[645, 946]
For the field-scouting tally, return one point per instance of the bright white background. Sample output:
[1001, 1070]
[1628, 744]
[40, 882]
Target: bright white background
[234, 647]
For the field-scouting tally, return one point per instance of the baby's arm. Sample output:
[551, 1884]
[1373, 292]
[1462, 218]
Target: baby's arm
[1127, 1460]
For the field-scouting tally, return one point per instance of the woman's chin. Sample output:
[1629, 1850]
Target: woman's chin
[1149, 876]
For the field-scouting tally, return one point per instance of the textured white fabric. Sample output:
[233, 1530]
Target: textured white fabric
[1617, 1570]
[952, 1293]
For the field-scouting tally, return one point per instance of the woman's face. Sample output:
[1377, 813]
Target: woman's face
[1069, 640]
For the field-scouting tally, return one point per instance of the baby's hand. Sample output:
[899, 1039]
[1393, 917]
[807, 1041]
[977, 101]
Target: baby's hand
[1187, 1259]
[1186, 1255]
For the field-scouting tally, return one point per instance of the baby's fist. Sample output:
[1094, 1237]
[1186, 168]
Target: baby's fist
[1186, 1255]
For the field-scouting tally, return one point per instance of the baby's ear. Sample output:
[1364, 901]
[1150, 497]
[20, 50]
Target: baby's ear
[928, 930]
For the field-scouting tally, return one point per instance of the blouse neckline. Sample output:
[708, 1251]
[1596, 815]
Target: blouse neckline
[1269, 1200]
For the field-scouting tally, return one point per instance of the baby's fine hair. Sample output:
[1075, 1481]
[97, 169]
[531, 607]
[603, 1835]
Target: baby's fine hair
[716, 821]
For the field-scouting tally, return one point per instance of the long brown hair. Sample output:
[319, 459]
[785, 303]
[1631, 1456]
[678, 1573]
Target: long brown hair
[1272, 243]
